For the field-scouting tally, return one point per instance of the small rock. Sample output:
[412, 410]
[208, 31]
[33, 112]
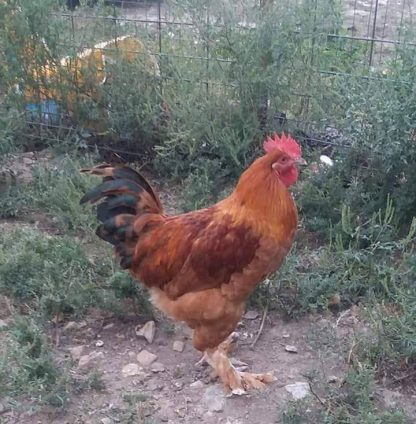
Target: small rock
[178, 385]
[244, 335]
[28, 161]
[298, 390]
[87, 361]
[181, 412]
[332, 379]
[130, 370]
[286, 336]
[99, 343]
[198, 384]
[108, 326]
[107, 420]
[157, 367]
[178, 346]
[291, 349]
[146, 358]
[3, 324]
[70, 326]
[153, 385]
[76, 352]
[251, 315]
[214, 399]
[147, 331]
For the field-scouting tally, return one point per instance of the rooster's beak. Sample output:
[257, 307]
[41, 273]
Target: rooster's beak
[301, 161]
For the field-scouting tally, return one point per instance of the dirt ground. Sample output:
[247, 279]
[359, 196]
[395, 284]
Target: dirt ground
[176, 390]
[359, 15]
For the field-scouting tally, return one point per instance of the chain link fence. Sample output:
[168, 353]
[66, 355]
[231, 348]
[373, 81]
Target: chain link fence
[141, 72]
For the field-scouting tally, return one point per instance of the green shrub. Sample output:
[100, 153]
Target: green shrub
[377, 161]
[12, 199]
[125, 286]
[26, 363]
[355, 402]
[57, 189]
[363, 261]
[54, 274]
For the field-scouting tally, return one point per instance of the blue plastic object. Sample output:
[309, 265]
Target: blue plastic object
[47, 112]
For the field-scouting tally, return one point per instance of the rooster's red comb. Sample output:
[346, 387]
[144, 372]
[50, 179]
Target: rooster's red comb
[284, 143]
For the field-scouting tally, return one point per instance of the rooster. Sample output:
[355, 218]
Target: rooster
[201, 266]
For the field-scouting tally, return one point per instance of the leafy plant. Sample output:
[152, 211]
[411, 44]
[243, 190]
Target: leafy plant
[363, 261]
[126, 287]
[52, 273]
[58, 188]
[28, 360]
[355, 402]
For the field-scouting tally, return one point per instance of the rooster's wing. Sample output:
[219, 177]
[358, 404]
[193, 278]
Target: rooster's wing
[194, 251]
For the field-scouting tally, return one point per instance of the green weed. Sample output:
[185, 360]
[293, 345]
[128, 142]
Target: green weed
[57, 189]
[362, 262]
[355, 402]
[52, 273]
[12, 199]
[124, 286]
[26, 364]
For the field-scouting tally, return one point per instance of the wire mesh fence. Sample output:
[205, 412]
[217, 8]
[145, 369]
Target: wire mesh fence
[273, 66]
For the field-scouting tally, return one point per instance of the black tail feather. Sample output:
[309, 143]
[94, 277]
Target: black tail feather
[124, 195]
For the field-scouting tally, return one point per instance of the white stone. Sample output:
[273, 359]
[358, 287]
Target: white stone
[251, 315]
[147, 331]
[130, 370]
[76, 352]
[146, 358]
[87, 361]
[178, 346]
[291, 349]
[198, 384]
[214, 398]
[298, 390]
[157, 367]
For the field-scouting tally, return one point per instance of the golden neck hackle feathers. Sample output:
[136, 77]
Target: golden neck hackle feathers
[262, 198]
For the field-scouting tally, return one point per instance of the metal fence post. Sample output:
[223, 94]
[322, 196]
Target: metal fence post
[373, 34]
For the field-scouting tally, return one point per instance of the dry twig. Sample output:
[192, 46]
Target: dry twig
[322, 402]
[263, 318]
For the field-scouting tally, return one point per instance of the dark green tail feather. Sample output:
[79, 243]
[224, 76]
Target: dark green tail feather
[122, 194]
[119, 186]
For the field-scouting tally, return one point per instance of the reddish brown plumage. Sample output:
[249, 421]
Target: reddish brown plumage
[201, 266]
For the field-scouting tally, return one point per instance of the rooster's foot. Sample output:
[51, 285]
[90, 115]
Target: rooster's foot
[238, 383]
[235, 381]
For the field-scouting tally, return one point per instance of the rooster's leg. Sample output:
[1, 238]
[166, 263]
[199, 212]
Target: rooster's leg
[227, 346]
[234, 381]
[204, 360]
